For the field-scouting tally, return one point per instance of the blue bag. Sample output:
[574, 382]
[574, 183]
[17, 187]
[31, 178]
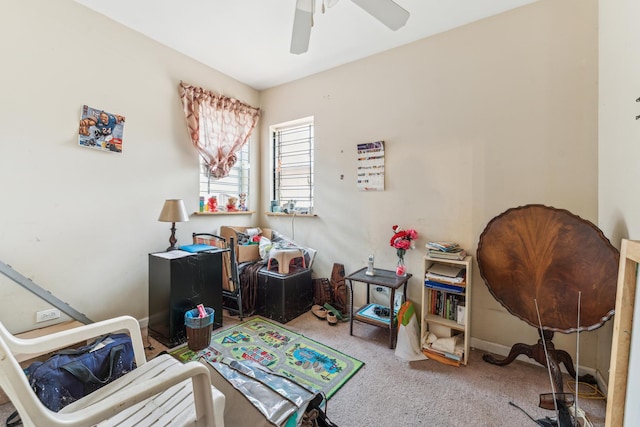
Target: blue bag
[71, 374]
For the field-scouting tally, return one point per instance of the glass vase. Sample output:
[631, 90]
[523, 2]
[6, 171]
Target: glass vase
[401, 269]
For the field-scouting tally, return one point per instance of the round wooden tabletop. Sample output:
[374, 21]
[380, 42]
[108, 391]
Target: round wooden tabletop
[536, 253]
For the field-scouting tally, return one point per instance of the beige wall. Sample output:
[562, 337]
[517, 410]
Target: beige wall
[493, 115]
[619, 156]
[497, 114]
[77, 221]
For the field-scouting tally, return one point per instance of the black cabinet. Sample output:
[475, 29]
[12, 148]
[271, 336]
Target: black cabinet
[282, 297]
[179, 282]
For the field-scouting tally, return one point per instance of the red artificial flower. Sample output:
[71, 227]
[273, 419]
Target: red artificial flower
[401, 239]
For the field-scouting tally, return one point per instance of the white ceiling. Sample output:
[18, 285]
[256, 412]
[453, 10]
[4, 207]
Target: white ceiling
[249, 39]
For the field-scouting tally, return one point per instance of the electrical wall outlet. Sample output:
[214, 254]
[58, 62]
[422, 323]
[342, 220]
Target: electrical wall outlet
[45, 315]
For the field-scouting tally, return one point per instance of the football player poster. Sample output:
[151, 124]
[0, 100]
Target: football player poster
[100, 130]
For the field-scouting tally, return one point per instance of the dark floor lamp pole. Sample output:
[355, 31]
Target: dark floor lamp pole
[173, 211]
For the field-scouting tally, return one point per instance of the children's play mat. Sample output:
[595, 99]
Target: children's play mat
[306, 361]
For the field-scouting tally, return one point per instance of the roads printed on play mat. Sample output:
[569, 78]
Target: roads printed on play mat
[296, 356]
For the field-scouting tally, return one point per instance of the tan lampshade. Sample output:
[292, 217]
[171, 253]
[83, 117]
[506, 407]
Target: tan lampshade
[174, 211]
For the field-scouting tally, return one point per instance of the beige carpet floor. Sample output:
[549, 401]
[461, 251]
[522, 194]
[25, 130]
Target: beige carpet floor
[389, 391]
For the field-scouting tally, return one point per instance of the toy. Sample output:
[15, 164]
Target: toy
[242, 204]
[212, 203]
[231, 204]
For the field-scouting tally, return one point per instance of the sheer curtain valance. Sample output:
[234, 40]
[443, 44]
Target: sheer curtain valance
[218, 125]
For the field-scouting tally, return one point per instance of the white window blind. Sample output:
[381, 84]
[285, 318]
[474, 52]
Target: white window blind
[292, 147]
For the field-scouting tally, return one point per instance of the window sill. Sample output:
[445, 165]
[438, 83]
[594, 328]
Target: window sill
[225, 213]
[286, 214]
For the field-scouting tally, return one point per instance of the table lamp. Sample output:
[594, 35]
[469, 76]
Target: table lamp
[173, 211]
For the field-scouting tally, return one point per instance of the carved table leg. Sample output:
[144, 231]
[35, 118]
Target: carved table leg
[536, 352]
[564, 358]
[516, 351]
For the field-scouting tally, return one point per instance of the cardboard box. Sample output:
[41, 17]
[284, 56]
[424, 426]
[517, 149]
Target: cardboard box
[244, 253]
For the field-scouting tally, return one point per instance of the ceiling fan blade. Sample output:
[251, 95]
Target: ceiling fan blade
[302, 22]
[388, 12]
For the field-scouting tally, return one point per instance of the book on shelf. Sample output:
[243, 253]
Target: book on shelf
[448, 355]
[460, 315]
[442, 246]
[439, 357]
[445, 304]
[452, 272]
[459, 281]
[444, 286]
[456, 254]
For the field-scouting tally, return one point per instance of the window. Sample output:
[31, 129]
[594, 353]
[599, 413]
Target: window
[233, 185]
[292, 162]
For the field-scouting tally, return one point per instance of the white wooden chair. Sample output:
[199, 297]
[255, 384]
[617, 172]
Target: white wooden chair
[160, 392]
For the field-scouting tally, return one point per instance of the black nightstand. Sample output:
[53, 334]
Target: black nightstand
[177, 283]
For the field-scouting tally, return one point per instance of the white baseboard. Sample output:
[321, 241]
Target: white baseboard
[144, 322]
[502, 350]
[602, 383]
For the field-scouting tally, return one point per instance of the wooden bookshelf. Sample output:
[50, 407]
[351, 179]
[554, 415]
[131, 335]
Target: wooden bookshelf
[440, 307]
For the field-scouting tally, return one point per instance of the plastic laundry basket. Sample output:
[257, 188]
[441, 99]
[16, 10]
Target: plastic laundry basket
[198, 328]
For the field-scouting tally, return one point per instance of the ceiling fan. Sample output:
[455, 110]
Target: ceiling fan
[386, 11]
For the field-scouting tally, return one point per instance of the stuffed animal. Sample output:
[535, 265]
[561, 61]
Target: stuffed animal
[212, 203]
[231, 204]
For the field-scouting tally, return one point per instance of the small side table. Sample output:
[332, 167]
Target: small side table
[384, 278]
